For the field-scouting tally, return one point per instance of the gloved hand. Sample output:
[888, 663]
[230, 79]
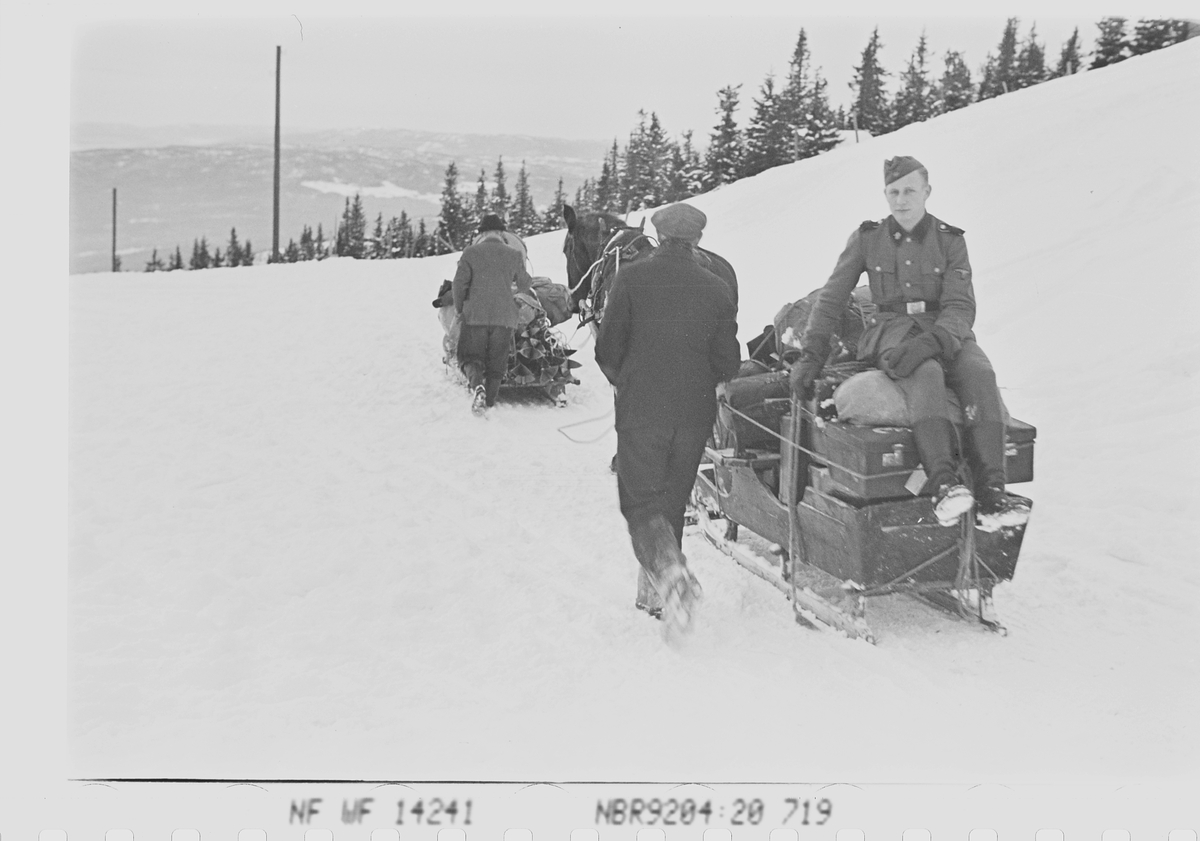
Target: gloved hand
[806, 370]
[804, 373]
[906, 357]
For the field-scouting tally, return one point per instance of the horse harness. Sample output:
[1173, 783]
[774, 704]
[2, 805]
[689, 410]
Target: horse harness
[612, 254]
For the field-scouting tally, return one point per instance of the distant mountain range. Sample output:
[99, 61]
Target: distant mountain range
[176, 184]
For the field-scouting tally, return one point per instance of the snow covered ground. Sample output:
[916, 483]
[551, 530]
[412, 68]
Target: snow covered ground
[294, 552]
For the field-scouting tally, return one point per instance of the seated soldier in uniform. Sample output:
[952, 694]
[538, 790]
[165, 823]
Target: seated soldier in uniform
[921, 336]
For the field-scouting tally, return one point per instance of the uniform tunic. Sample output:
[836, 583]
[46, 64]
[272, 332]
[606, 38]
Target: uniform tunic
[927, 268]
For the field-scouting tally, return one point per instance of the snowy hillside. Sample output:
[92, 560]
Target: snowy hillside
[294, 552]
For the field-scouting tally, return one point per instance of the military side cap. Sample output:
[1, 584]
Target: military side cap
[896, 168]
[679, 221]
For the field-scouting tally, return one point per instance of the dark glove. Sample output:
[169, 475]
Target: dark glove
[906, 357]
[806, 370]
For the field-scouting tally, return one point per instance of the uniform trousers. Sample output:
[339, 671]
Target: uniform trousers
[483, 356]
[969, 375]
[656, 470]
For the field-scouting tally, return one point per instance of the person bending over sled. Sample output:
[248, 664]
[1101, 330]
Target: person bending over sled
[921, 337]
[483, 296]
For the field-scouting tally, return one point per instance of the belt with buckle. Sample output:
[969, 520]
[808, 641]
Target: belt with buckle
[911, 307]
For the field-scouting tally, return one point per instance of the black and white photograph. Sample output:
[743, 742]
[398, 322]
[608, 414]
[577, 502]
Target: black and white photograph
[637, 394]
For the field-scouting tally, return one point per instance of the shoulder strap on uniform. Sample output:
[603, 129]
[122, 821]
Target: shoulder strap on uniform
[868, 225]
[950, 229]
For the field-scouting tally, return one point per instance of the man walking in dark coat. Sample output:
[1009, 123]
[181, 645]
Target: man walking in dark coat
[667, 338]
[483, 296]
[921, 336]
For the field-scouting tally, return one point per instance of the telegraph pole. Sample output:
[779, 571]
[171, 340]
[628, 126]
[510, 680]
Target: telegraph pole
[116, 267]
[275, 226]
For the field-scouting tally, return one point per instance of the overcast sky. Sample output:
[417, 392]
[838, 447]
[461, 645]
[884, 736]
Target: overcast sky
[530, 71]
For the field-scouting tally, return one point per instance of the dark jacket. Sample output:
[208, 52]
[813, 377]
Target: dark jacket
[483, 283]
[928, 264]
[668, 336]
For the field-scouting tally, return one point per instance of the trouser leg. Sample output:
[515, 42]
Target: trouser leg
[656, 469]
[472, 353]
[499, 342]
[973, 379]
[925, 391]
[686, 451]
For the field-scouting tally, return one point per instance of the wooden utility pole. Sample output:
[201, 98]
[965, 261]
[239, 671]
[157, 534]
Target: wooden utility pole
[275, 225]
[116, 266]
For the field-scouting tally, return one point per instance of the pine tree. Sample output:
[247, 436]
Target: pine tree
[500, 200]
[1000, 72]
[1031, 62]
[647, 164]
[482, 205]
[233, 251]
[794, 99]
[1069, 60]
[378, 249]
[805, 106]
[692, 168]
[1154, 34]
[155, 264]
[552, 219]
[768, 136]
[608, 187]
[822, 131]
[955, 89]
[870, 97]
[406, 239]
[350, 240]
[525, 215]
[322, 249]
[421, 244]
[218, 260]
[307, 249]
[247, 254]
[292, 253]
[453, 230]
[914, 100]
[1112, 45]
[200, 256]
[723, 162]
[676, 184]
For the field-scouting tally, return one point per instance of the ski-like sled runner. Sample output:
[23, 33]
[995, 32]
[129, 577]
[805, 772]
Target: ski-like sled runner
[835, 509]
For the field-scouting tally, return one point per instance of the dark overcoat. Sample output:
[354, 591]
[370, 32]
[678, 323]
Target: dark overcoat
[668, 336]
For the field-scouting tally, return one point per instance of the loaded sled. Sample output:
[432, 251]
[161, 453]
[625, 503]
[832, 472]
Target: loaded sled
[539, 357]
[831, 512]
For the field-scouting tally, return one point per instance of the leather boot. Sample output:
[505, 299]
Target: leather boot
[493, 388]
[996, 508]
[935, 446]
[985, 447]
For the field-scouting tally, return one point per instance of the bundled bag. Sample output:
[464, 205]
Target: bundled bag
[554, 298]
[872, 398]
[765, 398]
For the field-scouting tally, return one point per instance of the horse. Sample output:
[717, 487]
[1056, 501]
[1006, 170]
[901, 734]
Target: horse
[595, 245]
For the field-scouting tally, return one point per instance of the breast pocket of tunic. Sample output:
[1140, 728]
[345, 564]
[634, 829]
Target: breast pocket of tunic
[885, 285]
[928, 285]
